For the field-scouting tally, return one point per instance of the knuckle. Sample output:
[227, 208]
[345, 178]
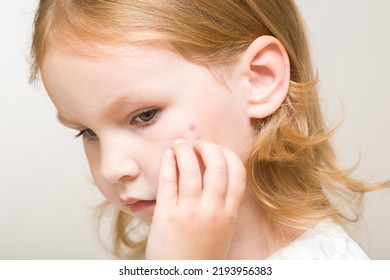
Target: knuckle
[167, 181]
[220, 168]
[211, 216]
[227, 217]
[190, 172]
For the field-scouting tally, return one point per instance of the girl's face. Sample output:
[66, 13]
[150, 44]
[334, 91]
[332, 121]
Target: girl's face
[129, 108]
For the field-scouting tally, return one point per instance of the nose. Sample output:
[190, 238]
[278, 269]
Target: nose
[118, 162]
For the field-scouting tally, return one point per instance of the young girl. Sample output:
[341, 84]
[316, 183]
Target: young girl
[200, 119]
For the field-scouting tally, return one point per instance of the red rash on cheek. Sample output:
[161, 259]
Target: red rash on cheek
[192, 127]
[192, 135]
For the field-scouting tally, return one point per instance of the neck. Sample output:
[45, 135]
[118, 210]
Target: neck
[254, 238]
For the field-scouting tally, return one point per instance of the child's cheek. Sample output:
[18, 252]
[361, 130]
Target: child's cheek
[187, 132]
[192, 133]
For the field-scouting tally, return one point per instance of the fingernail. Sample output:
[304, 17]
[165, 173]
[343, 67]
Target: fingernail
[179, 141]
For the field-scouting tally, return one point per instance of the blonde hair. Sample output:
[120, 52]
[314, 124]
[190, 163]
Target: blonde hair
[292, 167]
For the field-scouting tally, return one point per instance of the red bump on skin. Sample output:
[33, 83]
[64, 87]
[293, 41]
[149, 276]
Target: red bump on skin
[192, 127]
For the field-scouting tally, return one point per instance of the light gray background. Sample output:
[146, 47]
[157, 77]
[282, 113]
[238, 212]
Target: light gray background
[46, 199]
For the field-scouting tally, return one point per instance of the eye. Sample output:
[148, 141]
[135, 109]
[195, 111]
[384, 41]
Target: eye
[87, 133]
[145, 118]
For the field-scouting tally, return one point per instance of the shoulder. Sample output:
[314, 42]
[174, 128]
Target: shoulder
[326, 241]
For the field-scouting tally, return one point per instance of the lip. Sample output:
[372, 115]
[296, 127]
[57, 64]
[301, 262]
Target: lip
[137, 205]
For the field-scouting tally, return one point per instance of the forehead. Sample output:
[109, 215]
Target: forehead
[108, 71]
[143, 61]
[114, 73]
[107, 63]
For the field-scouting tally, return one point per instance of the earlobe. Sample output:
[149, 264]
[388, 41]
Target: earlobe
[267, 69]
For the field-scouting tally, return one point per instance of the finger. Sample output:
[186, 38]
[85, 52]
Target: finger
[236, 179]
[190, 177]
[167, 191]
[215, 178]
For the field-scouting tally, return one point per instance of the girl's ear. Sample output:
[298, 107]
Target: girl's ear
[266, 68]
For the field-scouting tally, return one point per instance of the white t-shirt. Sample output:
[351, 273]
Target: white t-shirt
[326, 241]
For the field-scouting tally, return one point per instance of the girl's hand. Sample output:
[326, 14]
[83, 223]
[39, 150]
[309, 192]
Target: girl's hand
[196, 210]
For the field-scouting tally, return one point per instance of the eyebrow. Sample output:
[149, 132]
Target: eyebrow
[118, 105]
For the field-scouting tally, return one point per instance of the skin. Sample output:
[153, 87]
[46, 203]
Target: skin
[166, 141]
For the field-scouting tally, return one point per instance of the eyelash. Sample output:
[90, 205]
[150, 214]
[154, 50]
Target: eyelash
[88, 133]
[85, 133]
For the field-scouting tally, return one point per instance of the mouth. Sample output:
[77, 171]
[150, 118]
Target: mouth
[136, 205]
